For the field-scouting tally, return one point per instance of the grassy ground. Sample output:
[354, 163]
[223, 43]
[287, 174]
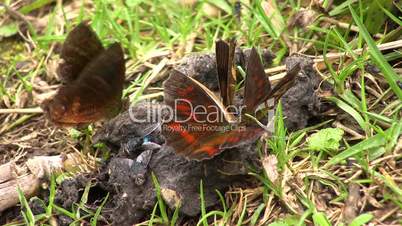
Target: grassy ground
[348, 173]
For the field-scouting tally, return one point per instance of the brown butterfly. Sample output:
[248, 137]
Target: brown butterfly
[197, 136]
[93, 77]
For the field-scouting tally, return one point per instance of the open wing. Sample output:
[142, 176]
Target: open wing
[80, 47]
[194, 135]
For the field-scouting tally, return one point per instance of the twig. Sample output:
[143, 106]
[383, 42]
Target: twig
[275, 69]
[29, 178]
[17, 122]
[355, 134]
[150, 96]
[21, 110]
[29, 184]
[347, 26]
[15, 14]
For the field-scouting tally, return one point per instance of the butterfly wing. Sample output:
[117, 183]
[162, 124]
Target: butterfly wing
[80, 47]
[197, 126]
[185, 94]
[211, 145]
[285, 83]
[226, 71]
[94, 95]
[257, 85]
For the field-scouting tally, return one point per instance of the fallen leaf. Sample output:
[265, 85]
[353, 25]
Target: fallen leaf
[325, 139]
[269, 164]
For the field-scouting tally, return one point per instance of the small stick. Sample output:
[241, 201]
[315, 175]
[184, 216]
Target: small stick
[15, 123]
[29, 178]
[275, 69]
[347, 26]
[355, 134]
[15, 14]
[29, 185]
[21, 110]
[150, 96]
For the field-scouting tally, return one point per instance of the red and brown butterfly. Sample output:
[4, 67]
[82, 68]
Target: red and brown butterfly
[93, 80]
[193, 135]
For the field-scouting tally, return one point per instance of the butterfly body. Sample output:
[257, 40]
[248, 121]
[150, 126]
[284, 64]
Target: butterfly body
[93, 77]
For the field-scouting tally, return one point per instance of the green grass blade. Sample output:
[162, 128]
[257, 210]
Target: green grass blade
[153, 214]
[372, 142]
[389, 14]
[341, 8]
[161, 203]
[175, 216]
[256, 214]
[361, 220]
[52, 195]
[203, 208]
[243, 212]
[35, 5]
[350, 110]
[94, 219]
[319, 218]
[28, 215]
[389, 74]
[375, 18]
[209, 214]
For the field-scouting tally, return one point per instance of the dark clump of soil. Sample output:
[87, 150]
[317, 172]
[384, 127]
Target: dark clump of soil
[139, 153]
[300, 103]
